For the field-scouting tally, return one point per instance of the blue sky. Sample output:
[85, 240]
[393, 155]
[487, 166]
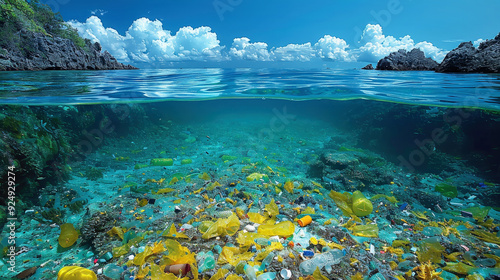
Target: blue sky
[320, 31]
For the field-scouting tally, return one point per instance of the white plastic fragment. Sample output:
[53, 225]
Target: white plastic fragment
[286, 274]
[99, 271]
[29, 211]
[414, 249]
[131, 257]
[471, 197]
[186, 226]
[372, 249]
[250, 228]
[456, 204]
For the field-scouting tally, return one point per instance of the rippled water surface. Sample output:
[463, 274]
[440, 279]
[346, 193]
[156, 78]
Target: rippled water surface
[85, 87]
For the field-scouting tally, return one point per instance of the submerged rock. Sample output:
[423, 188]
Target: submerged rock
[466, 58]
[403, 60]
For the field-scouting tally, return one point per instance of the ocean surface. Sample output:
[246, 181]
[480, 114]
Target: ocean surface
[91, 87]
[240, 173]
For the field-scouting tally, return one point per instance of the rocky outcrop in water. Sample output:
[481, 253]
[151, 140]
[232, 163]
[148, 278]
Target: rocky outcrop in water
[466, 58]
[40, 52]
[368, 67]
[403, 61]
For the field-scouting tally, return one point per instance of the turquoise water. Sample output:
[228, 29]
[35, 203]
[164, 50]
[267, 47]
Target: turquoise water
[129, 157]
[90, 87]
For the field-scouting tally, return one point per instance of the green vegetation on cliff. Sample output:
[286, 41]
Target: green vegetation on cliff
[18, 16]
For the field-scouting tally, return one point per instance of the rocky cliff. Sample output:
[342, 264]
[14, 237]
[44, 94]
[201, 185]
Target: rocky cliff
[403, 60]
[33, 37]
[53, 53]
[466, 58]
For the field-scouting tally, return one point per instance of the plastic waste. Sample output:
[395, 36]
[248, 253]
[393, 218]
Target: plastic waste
[113, 271]
[267, 261]
[267, 276]
[325, 260]
[218, 249]
[262, 241]
[75, 272]
[361, 206]
[107, 256]
[222, 227]
[206, 261]
[285, 274]
[250, 272]
[370, 230]
[305, 221]
[178, 269]
[308, 254]
[285, 228]
[68, 235]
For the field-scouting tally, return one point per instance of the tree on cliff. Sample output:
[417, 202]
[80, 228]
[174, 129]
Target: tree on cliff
[17, 16]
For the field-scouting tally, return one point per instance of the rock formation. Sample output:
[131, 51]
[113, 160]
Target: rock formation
[368, 67]
[403, 60]
[466, 58]
[42, 52]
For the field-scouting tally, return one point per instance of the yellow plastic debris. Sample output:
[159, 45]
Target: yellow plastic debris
[204, 176]
[255, 177]
[223, 227]
[342, 202]
[247, 239]
[118, 231]
[272, 208]
[171, 231]
[289, 187]
[318, 276]
[256, 218]
[213, 186]
[285, 228]
[68, 235]
[233, 256]
[361, 206]
[313, 241]
[219, 274]
[173, 181]
[75, 272]
[370, 230]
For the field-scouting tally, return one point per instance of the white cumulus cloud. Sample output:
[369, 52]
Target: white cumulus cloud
[333, 48]
[147, 41]
[243, 49]
[294, 52]
[377, 45]
[478, 42]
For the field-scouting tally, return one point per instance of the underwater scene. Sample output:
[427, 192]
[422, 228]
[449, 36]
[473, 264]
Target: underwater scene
[250, 174]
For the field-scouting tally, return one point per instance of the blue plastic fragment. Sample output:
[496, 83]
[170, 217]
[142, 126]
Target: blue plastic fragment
[403, 206]
[308, 253]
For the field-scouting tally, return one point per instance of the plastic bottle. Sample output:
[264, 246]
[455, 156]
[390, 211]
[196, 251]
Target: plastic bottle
[262, 241]
[250, 272]
[267, 261]
[206, 261]
[267, 276]
[321, 260]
